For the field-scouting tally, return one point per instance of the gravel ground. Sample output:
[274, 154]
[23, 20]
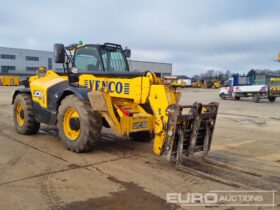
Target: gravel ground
[37, 172]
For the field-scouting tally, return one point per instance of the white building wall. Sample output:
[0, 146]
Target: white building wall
[159, 68]
[20, 62]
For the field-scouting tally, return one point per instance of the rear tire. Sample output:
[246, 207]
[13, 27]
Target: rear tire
[23, 114]
[237, 98]
[87, 132]
[271, 99]
[256, 97]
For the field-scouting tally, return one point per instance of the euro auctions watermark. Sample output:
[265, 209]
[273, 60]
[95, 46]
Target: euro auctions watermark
[224, 198]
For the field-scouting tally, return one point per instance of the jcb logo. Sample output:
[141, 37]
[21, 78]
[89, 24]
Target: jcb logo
[38, 94]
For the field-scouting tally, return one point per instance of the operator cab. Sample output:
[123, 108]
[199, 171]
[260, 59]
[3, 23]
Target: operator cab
[228, 83]
[92, 58]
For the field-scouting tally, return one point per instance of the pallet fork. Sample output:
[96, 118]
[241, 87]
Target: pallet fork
[190, 130]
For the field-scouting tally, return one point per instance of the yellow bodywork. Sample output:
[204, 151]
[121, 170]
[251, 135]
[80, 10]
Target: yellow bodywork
[136, 89]
[276, 79]
[160, 98]
[9, 80]
[197, 84]
[179, 83]
[121, 95]
[217, 84]
[39, 86]
[274, 84]
[140, 90]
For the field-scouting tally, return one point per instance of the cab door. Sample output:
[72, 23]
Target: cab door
[227, 88]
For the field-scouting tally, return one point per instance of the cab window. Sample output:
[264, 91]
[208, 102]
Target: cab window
[87, 59]
[228, 83]
[113, 60]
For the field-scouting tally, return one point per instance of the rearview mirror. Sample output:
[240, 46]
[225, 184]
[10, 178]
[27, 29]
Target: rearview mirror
[127, 52]
[59, 53]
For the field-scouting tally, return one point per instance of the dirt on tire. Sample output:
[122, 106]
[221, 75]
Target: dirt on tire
[30, 126]
[90, 124]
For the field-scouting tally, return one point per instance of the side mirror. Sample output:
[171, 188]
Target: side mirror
[73, 78]
[59, 53]
[127, 52]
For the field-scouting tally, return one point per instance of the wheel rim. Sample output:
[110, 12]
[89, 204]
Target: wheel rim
[71, 134]
[20, 114]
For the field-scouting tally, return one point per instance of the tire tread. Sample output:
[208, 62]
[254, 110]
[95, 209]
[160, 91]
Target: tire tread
[31, 125]
[92, 124]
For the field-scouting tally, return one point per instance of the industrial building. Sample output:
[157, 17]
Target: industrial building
[24, 62]
[161, 69]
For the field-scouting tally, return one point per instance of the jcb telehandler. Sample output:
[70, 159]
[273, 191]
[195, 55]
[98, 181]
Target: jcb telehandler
[97, 89]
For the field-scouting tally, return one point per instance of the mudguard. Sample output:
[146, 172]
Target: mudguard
[80, 92]
[21, 90]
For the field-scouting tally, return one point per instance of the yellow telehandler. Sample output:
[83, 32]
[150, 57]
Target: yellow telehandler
[9, 80]
[97, 89]
[217, 84]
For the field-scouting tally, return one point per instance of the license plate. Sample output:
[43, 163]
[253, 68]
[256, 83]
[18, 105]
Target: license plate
[138, 125]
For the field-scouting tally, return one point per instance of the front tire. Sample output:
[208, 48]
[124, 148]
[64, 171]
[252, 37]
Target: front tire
[79, 127]
[256, 97]
[23, 114]
[223, 96]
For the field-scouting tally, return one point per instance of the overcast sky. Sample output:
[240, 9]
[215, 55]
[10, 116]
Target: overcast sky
[194, 36]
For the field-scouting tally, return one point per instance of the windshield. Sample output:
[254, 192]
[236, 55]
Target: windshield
[88, 59]
[113, 59]
[228, 83]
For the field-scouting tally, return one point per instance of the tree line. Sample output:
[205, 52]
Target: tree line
[222, 76]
